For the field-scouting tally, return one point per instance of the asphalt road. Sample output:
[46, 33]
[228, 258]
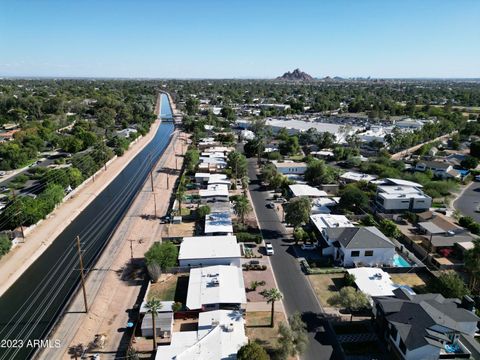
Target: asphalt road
[468, 203]
[297, 292]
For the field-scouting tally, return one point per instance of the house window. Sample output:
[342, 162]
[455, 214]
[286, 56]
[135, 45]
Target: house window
[393, 332]
[405, 201]
[403, 347]
[368, 252]
[355, 254]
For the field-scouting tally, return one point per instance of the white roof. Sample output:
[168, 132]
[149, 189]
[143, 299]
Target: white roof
[214, 190]
[323, 221]
[166, 306]
[355, 176]
[306, 190]
[209, 247]
[219, 284]
[300, 125]
[289, 163]
[220, 334]
[403, 182]
[218, 149]
[219, 222]
[202, 175]
[373, 281]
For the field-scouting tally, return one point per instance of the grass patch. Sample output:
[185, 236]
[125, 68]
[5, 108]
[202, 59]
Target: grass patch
[259, 330]
[171, 289]
[415, 281]
[326, 285]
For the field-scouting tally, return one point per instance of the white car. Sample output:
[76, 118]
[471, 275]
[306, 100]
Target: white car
[269, 248]
[308, 247]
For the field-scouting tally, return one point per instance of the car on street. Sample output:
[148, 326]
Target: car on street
[308, 247]
[477, 177]
[269, 248]
[281, 200]
[270, 205]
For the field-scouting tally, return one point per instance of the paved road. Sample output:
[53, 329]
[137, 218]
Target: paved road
[469, 201]
[298, 295]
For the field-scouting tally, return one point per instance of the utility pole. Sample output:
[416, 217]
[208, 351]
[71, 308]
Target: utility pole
[151, 178]
[155, 203]
[167, 181]
[82, 275]
[19, 213]
[131, 248]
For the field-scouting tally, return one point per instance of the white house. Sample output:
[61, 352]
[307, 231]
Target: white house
[298, 190]
[219, 335]
[398, 198]
[439, 168]
[209, 250]
[324, 221]
[352, 246]
[218, 223]
[213, 193]
[322, 205]
[290, 167]
[216, 287]
[351, 176]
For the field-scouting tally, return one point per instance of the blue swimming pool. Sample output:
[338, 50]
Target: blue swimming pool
[399, 261]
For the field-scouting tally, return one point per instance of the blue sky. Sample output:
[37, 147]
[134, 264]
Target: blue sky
[239, 39]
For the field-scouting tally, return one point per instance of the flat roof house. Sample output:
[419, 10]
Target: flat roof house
[351, 246]
[298, 190]
[216, 287]
[351, 176]
[399, 198]
[209, 251]
[427, 326]
[375, 282]
[220, 335]
[218, 223]
[214, 192]
[290, 167]
[439, 168]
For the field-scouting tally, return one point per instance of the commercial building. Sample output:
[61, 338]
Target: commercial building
[400, 195]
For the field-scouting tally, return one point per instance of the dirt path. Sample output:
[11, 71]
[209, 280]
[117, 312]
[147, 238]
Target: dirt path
[44, 233]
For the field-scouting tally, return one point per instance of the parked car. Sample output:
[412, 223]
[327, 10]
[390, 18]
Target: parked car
[271, 205]
[281, 200]
[308, 247]
[441, 211]
[269, 248]
[477, 178]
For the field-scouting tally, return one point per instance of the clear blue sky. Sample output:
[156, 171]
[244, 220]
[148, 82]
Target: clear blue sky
[230, 38]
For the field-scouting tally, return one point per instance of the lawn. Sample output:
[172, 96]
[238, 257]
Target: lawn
[415, 281]
[258, 327]
[169, 288]
[326, 285]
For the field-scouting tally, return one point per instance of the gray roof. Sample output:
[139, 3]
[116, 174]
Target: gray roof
[449, 241]
[435, 164]
[163, 321]
[415, 315]
[359, 237]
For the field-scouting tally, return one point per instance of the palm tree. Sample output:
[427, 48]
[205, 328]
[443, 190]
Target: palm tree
[242, 207]
[272, 295]
[179, 197]
[153, 305]
[245, 182]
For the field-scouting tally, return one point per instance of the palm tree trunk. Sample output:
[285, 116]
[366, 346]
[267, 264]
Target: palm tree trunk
[272, 314]
[154, 332]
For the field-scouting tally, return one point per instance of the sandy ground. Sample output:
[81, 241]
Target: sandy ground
[109, 297]
[37, 241]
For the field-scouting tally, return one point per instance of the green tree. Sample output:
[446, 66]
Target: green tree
[472, 263]
[350, 299]
[245, 182]
[299, 234]
[192, 157]
[164, 254]
[389, 228]
[297, 211]
[267, 173]
[293, 339]
[241, 207]
[449, 284]
[475, 149]
[191, 105]
[272, 295]
[252, 351]
[469, 162]
[353, 199]
[237, 164]
[5, 244]
[153, 306]
[106, 118]
[319, 173]
[203, 211]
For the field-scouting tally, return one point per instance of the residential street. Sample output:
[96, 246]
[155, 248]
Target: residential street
[297, 292]
[469, 201]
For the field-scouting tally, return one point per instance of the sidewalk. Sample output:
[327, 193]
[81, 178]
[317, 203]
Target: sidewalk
[109, 297]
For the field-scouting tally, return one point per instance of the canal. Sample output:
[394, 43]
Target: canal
[29, 308]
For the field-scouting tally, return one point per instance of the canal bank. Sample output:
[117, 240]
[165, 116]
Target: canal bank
[32, 304]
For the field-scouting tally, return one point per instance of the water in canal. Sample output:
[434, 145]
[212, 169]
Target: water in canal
[29, 308]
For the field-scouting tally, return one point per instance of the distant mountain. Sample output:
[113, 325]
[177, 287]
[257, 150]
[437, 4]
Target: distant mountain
[295, 75]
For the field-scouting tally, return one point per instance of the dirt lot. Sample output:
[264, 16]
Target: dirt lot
[415, 281]
[325, 285]
[258, 327]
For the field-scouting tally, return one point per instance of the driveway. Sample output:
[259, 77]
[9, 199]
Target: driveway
[468, 202]
[297, 292]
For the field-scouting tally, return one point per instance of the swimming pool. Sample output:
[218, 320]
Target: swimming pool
[399, 261]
